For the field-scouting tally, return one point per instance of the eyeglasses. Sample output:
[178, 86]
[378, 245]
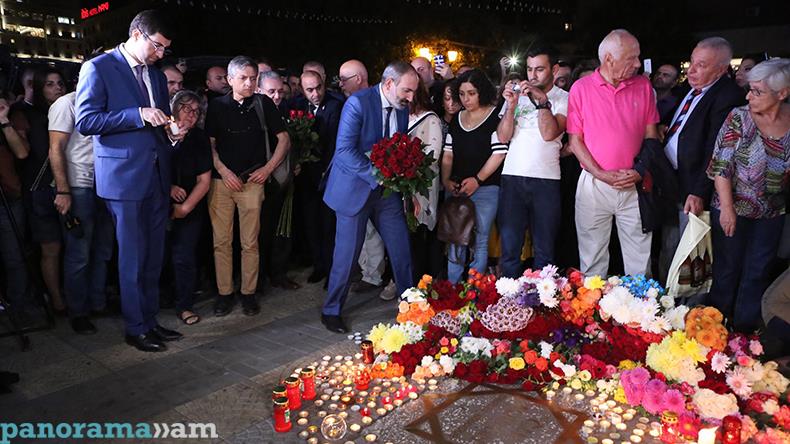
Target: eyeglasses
[193, 111]
[158, 47]
[757, 92]
[342, 79]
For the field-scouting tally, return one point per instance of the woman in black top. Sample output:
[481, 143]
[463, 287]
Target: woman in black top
[472, 164]
[191, 179]
[31, 123]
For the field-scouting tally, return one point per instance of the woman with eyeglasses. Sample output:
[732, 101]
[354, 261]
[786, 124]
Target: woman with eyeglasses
[191, 178]
[750, 165]
[32, 124]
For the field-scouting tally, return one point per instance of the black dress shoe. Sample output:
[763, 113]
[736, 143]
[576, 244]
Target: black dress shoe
[223, 305]
[146, 342]
[316, 276]
[334, 323]
[83, 326]
[165, 334]
[249, 305]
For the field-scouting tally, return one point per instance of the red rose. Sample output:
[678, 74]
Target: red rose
[292, 114]
[300, 114]
[461, 370]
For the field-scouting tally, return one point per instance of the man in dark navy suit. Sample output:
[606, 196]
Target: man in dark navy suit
[353, 191]
[692, 132]
[122, 102]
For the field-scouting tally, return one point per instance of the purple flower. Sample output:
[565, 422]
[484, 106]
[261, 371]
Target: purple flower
[656, 387]
[653, 402]
[674, 401]
[529, 298]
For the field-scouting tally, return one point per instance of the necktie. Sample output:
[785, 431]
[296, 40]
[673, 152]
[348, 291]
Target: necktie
[683, 111]
[313, 109]
[387, 121]
[138, 73]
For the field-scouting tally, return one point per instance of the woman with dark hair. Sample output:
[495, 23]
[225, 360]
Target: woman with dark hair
[451, 106]
[472, 164]
[427, 126]
[31, 123]
[747, 63]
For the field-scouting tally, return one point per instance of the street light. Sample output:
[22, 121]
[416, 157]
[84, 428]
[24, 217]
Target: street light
[452, 56]
[424, 52]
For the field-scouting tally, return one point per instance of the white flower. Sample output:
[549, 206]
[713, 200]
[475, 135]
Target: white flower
[426, 361]
[447, 363]
[545, 349]
[755, 347]
[548, 271]
[413, 331]
[644, 310]
[614, 281]
[658, 325]
[719, 362]
[412, 295]
[771, 406]
[677, 317]
[507, 286]
[666, 301]
[435, 369]
[652, 292]
[476, 346]
[615, 304]
[547, 289]
[568, 370]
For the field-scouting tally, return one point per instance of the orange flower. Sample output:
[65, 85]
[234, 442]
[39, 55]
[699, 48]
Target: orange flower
[425, 281]
[542, 364]
[530, 356]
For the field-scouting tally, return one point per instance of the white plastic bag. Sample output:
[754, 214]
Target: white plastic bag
[694, 243]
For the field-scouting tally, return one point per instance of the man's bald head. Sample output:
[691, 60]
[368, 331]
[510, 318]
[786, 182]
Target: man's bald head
[315, 66]
[353, 77]
[423, 68]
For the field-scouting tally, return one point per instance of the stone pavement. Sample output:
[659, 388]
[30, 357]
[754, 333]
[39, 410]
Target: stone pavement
[221, 372]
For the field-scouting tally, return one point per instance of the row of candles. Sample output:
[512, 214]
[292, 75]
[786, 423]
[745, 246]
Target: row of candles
[611, 420]
[343, 385]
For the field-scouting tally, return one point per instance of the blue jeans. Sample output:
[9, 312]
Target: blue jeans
[528, 202]
[12, 257]
[85, 259]
[184, 240]
[486, 199]
[740, 267]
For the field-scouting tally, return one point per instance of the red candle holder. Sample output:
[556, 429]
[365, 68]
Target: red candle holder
[669, 427]
[293, 392]
[362, 379]
[364, 411]
[278, 392]
[307, 376]
[367, 352]
[386, 400]
[282, 415]
[731, 430]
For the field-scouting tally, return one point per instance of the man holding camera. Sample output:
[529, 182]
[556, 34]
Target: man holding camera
[529, 196]
[238, 144]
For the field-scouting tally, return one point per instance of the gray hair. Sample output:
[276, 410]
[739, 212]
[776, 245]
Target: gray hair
[240, 62]
[397, 69]
[774, 72]
[613, 43]
[185, 96]
[268, 75]
[720, 45]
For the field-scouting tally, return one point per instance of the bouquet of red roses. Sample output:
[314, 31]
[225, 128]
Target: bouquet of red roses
[303, 138]
[401, 165]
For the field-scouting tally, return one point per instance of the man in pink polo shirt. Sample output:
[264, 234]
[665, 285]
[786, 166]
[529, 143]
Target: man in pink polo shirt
[609, 114]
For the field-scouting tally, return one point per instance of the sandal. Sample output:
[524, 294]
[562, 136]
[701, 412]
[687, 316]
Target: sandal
[191, 319]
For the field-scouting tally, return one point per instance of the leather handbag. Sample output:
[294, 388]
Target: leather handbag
[455, 222]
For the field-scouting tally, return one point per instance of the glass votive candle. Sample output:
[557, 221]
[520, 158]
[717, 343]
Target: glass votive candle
[621, 426]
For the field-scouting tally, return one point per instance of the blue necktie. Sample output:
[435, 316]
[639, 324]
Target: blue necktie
[138, 73]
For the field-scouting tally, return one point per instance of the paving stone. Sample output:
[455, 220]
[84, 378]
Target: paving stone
[232, 408]
[53, 377]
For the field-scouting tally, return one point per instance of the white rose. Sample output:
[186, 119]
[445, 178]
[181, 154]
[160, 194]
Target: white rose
[666, 301]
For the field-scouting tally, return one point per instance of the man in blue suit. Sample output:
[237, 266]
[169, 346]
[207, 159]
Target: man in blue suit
[122, 102]
[353, 192]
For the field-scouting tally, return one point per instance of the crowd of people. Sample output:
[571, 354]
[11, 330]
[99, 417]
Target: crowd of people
[197, 180]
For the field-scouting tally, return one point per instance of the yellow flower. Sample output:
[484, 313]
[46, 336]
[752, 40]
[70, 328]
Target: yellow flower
[517, 363]
[376, 333]
[627, 365]
[585, 375]
[619, 395]
[444, 350]
[453, 342]
[594, 283]
[438, 356]
[394, 339]
[576, 384]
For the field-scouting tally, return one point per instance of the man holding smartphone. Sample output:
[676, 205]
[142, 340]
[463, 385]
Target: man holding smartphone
[533, 120]
[435, 87]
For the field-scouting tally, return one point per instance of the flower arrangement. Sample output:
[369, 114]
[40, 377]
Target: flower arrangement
[621, 336]
[300, 126]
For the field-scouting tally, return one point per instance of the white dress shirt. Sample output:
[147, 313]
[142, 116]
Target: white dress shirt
[671, 148]
[393, 115]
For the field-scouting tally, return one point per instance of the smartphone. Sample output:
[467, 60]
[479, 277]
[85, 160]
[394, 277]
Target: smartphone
[438, 60]
[648, 65]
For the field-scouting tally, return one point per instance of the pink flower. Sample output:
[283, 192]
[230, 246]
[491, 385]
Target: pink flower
[771, 436]
[782, 417]
[755, 347]
[735, 344]
[653, 402]
[745, 361]
[656, 387]
[674, 401]
[748, 428]
[610, 370]
[739, 384]
[720, 362]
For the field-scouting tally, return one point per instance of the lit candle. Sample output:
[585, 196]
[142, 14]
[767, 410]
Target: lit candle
[355, 428]
[636, 439]
[367, 420]
[604, 424]
[550, 394]
[413, 395]
[621, 426]
[639, 432]
[578, 396]
[628, 416]
[589, 423]
[567, 390]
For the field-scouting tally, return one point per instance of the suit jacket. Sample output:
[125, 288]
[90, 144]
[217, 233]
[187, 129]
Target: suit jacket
[696, 139]
[658, 190]
[327, 121]
[351, 177]
[125, 148]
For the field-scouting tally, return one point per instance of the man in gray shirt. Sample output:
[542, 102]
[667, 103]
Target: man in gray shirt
[89, 241]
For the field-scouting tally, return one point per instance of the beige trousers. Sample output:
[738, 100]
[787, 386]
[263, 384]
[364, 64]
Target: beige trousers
[222, 203]
[596, 203]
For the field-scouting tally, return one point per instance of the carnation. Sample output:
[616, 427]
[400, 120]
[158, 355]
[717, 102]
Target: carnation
[666, 301]
[755, 347]
[412, 295]
[677, 317]
[711, 405]
[508, 287]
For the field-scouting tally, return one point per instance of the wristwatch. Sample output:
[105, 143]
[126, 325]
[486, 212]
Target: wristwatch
[546, 105]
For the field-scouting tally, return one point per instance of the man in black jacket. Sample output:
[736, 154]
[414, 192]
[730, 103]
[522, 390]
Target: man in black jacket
[318, 220]
[692, 132]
